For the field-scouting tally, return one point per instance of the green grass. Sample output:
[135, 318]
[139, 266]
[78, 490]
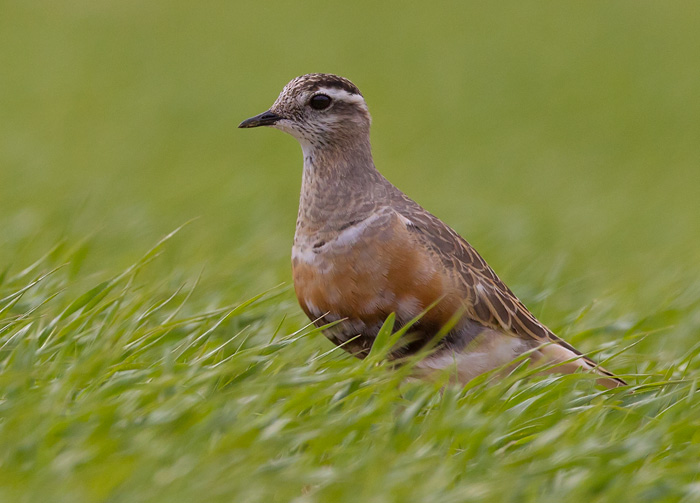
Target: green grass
[561, 139]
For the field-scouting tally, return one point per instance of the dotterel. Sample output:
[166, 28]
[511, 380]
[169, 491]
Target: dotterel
[363, 249]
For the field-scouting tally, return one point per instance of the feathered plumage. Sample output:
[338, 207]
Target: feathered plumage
[363, 250]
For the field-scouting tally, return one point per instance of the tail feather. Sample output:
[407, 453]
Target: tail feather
[572, 360]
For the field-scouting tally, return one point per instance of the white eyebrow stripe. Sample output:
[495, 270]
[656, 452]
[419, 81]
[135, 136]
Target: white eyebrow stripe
[341, 94]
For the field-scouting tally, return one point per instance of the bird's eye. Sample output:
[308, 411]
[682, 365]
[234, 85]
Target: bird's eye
[320, 102]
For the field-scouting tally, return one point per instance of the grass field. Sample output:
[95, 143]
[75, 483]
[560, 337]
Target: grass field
[142, 364]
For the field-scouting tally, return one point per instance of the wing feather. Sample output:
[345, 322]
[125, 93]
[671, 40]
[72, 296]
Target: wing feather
[489, 301]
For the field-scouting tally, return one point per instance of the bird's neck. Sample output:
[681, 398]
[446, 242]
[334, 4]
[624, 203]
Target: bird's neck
[340, 184]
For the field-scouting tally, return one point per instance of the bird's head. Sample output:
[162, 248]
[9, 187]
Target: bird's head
[318, 110]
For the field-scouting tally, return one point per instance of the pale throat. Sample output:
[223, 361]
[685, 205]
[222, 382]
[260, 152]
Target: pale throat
[337, 185]
[349, 161]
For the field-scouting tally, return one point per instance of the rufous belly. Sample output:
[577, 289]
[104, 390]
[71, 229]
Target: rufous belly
[361, 282]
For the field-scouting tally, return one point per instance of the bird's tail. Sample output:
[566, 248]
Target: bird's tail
[571, 360]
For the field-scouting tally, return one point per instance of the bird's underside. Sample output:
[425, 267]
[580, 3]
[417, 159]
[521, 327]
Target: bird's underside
[401, 259]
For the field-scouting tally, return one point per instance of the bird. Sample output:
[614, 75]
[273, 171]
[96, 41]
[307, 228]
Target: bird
[363, 250]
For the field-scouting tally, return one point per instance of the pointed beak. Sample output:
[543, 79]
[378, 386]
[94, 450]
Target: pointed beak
[264, 119]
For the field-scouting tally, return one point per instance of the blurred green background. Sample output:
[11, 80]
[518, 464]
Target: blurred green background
[561, 138]
[545, 132]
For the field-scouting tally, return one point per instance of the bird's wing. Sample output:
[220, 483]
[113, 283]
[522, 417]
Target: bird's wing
[488, 300]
